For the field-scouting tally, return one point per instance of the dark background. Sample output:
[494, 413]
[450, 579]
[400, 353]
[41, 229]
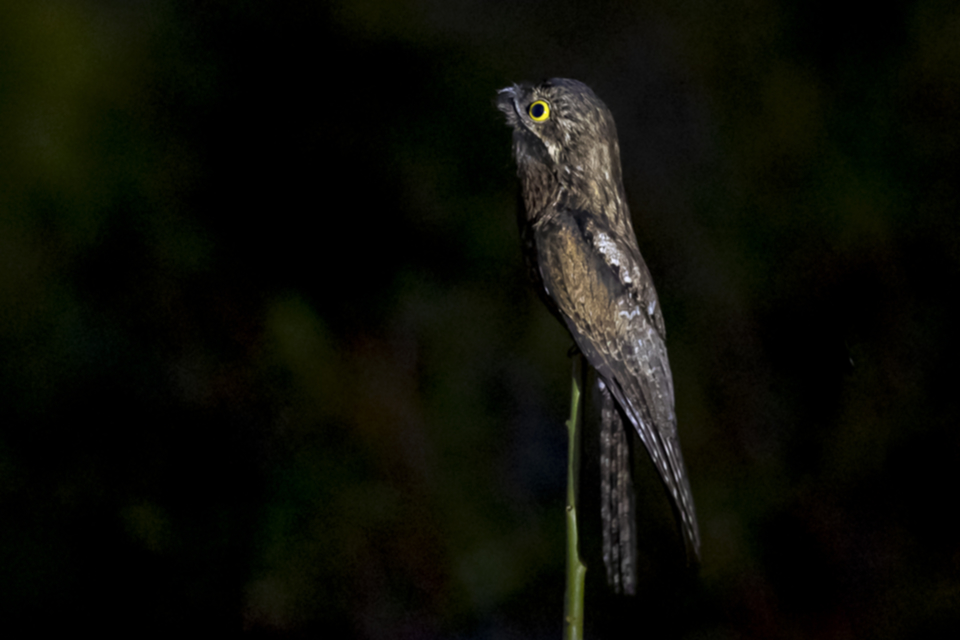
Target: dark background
[269, 361]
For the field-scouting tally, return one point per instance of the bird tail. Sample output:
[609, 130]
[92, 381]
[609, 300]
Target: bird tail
[616, 498]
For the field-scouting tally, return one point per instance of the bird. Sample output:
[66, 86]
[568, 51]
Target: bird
[582, 255]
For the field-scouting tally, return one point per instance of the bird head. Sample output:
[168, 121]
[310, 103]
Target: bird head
[560, 125]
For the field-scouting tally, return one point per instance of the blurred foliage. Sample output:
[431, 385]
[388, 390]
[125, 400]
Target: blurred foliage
[269, 360]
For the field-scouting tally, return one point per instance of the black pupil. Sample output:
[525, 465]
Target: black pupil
[536, 110]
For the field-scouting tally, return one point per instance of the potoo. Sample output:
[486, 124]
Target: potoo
[582, 255]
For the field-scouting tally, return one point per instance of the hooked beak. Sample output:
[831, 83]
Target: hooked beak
[507, 103]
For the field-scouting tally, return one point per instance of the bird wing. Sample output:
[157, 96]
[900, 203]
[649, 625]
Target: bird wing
[605, 295]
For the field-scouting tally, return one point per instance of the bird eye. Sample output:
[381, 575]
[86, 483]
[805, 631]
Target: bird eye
[539, 111]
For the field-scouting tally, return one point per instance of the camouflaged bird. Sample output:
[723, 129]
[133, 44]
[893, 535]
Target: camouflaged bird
[582, 254]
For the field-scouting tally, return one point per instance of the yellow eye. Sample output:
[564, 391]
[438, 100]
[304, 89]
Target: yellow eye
[539, 111]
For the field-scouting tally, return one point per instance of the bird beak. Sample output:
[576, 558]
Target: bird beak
[507, 103]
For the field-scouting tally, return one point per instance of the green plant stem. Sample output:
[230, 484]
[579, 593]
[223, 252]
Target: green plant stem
[576, 570]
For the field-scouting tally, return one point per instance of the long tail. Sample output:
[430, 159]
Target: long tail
[616, 498]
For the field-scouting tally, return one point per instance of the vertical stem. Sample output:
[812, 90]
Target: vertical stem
[576, 571]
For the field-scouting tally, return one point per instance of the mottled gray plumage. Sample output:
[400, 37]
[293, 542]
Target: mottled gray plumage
[582, 254]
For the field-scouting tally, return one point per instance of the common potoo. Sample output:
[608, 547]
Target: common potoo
[582, 254]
